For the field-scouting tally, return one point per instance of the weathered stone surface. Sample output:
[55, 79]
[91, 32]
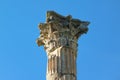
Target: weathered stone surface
[59, 37]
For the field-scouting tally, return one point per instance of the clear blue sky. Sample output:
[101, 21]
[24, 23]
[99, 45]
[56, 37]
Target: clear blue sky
[98, 51]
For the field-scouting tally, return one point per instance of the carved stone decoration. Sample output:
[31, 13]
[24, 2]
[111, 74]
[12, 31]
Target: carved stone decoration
[59, 37]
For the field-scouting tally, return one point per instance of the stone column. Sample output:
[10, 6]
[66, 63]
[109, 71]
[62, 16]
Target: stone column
[59, 37]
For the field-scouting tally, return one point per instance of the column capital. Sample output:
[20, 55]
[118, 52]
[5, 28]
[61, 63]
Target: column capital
[59, 25]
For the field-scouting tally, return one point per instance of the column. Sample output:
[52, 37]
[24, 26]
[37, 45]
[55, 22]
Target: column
[59, 36]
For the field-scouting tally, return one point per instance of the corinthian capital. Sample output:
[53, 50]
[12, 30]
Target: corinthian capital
[60, 31]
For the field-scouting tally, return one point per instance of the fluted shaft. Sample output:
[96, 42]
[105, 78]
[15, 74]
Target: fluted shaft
[62, 65]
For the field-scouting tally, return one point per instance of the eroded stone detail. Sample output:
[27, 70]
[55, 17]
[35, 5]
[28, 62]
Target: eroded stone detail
[59, 37]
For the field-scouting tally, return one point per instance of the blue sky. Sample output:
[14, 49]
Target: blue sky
[98, 51]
